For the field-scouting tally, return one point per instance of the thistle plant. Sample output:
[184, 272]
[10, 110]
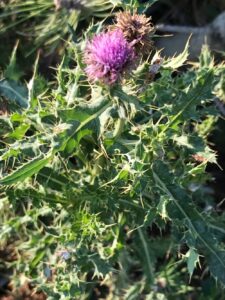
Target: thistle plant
[108, 172]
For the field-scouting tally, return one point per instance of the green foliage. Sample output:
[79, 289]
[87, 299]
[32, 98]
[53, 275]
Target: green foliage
[107, 184]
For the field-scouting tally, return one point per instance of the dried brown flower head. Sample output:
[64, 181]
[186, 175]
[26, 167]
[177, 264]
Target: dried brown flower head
[137, 29]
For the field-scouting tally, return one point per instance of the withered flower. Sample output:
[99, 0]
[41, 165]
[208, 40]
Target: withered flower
[137, 30]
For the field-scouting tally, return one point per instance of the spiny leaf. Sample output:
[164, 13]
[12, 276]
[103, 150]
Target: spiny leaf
[20, 131]
[31, 85]
[76, 127]
[202, 90]
[215, 267]
[144, 247]
[179, 60]
[49, 177]
[14, 92]
[192, 260]
[182, 203]
[12, 71]
[26, 170]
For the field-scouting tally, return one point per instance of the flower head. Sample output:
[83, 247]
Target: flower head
[137, 29]
[107, 56]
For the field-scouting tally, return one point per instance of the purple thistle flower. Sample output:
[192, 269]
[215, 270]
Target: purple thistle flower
[107, 56]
